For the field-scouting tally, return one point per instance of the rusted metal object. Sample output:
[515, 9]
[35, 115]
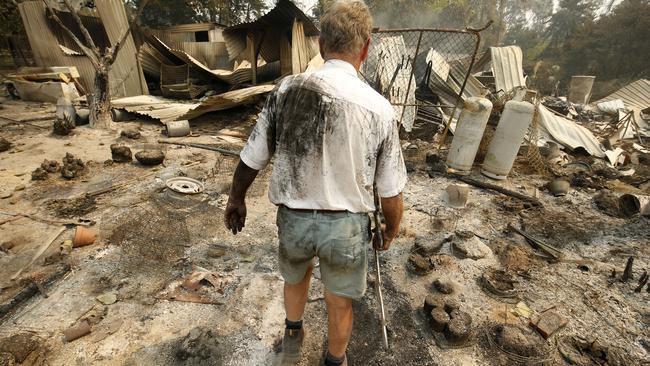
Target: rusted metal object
[77, 331]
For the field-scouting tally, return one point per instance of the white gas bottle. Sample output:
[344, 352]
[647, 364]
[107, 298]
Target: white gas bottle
[507, 139]
[468, 134]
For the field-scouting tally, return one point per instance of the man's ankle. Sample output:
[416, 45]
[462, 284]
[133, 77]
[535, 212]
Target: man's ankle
[331, 360]
[293, 325]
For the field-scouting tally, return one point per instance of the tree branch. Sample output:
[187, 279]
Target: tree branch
[92, 54]
[136, 21]
[82, 27]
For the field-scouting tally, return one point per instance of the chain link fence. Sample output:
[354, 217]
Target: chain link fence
[422, 72]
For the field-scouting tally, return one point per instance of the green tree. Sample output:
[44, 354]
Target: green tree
[616, 46]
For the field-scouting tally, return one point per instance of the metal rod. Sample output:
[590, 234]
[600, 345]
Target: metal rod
[384, 329]
[201, 146]
[379, 237]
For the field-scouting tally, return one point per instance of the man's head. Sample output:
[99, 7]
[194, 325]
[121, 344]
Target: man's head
[345, 31]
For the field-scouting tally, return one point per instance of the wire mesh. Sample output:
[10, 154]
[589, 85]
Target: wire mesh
[422, 72]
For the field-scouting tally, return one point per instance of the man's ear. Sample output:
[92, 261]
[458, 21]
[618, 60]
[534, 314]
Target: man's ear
[364, 51]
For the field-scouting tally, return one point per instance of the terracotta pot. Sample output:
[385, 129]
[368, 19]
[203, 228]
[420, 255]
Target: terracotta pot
[559, 187]
[83, 236]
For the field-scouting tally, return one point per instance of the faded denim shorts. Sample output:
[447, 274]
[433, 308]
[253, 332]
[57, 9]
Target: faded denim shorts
[340, 240]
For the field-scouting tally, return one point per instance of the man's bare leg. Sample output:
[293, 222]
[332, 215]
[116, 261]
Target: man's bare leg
[295, 297]
[339, 323]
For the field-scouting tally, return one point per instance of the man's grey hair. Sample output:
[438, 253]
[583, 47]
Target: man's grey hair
[345, 26]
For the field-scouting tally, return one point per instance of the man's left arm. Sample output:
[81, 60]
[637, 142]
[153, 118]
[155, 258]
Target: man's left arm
[253, 158]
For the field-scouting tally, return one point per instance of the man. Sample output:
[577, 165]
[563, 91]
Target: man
[332, 137]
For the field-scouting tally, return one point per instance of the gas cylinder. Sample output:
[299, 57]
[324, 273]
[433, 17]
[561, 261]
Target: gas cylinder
[468, 134]
[507, 139]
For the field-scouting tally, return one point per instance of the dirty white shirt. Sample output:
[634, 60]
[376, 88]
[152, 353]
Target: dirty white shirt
[332, 136]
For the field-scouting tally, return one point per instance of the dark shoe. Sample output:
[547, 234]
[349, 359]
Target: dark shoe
[291, 345]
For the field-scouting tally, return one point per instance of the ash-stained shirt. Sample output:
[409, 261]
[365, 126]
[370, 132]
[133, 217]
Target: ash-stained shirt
[332, 136]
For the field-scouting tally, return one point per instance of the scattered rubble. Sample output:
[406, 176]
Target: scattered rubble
[548, 323]
[4, 144]
[444, 286]
[608, 202]
[121, 153]
[578, 350]
[426, 246]
[445, 316]
[157, 244]
[150, 157]
[499, 283]
[199, 346]
[518, 343]
[64, 126]
[420, 264]
[77, 331]
[18, 347]
[467, 245]
[39, 174]
[71, 166]
[131, 134]
[72, 207]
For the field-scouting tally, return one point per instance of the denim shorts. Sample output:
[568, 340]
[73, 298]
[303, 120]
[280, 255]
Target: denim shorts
[340, 240]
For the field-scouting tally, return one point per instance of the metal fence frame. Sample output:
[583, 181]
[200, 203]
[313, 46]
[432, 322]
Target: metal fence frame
[420, 33]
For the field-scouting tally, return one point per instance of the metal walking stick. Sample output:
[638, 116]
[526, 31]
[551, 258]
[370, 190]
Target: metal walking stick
[378, 243]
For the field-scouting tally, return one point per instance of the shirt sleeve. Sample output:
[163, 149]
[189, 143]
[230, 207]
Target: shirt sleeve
[390, 176]
[261, 144]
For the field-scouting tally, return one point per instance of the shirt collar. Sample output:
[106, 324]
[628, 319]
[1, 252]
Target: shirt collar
[341, 65]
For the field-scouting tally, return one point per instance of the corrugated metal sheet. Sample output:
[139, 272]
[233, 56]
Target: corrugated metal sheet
[151, 61]
[196, 27]
[299, 57]
[568, 133]
[229, 100]
[167, 110]
[45, 45]
[635, 95]
[214, 55]
[279, 19]
[612, 106]
[216, 35]
[235, 77]
[173, 40]
[126, 77]
[507, 67]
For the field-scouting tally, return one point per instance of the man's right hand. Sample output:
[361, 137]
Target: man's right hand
[235, 216]
[386, 241]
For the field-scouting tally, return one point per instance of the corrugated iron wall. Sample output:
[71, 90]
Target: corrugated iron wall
[126, 77]
[45, 45]
[212, 54]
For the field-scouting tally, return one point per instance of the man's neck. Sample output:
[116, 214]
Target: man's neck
[355, 62]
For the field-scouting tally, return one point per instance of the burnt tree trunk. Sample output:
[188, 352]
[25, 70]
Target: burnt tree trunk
[99, 101]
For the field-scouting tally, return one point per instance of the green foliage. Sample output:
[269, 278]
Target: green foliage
[619, 43]
[228, 12]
